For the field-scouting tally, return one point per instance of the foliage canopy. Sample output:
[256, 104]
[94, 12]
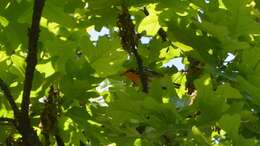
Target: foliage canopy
[81, 96]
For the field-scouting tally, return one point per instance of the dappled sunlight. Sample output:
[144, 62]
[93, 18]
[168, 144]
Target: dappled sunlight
[123, 73]
[47, 69]
[207, 81]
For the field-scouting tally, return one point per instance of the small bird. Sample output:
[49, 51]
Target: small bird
[134, 75]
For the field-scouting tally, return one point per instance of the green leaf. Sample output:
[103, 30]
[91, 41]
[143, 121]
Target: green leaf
[209, 102]
[107, 57]
[100, 106]
[250, 89]
[231, 124]
[3, 21]
[150, 24]
[240, 22]
[18, 66]
[78, 115]
[228, 92]
[223, 34]
[3, 56]
[46, 68]
[199, 136]
[61, 17]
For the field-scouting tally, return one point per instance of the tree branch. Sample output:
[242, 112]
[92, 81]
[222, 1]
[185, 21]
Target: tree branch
[31, 60]
[9, 96]
[129, 41]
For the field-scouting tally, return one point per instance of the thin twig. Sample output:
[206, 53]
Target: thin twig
[9, 120]
[9, 96]
[31, 60]
[143, 76]
[59, 140]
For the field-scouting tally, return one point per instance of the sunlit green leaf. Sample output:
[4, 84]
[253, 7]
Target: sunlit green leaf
[150, 24]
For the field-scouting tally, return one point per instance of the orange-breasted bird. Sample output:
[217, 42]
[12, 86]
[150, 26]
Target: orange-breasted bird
[134, 75]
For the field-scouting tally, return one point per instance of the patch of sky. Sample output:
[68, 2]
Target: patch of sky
[177, 62]
[216, 140]
[145, 40]
[102, 87]
[230, 57]
[200, 13]
[207, 1]
[94, 35]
